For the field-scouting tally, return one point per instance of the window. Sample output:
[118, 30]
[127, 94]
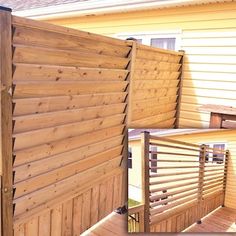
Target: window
[166, 40]
[153, 156]
[218, 157]
[130, 158]
[165, 43]
[215, 157]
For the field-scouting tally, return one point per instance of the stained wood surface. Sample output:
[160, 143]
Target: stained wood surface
[221, 220]
[114, 224]
[6, 122]
[70, 104]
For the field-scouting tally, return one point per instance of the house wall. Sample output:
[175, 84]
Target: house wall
[207, 33]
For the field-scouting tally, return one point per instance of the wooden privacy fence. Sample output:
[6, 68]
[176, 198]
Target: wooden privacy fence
[63, 114]
[64, 96]
[155, 87]
[182, 182]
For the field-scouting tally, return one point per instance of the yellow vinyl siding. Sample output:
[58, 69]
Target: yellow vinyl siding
[228, 137]
[208, 36]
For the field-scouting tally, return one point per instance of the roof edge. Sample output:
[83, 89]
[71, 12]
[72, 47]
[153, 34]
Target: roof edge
[97, 7]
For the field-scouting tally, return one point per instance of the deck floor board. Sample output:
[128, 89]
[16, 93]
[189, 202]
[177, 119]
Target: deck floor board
[221, 220]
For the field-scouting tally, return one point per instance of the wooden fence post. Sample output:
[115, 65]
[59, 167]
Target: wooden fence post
[227, 154]
[178, 107]
[145, 136]
[202, 158]
[125, 131]
[6, 120]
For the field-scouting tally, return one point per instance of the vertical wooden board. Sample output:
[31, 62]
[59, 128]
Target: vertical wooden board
[174, 224]
[45, 224]
[77, 215]
[163, 226]
[186, 219]
[168, 225]
[19, 230]
[67, 218]
[86, 206]
[94, 204]
[56, 221]
[32, 227]
[117, 183]
[178, 223]
[102, 200]
[109, 201]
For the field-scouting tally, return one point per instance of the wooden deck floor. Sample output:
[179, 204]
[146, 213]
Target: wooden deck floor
[114, 224]
[221, 220]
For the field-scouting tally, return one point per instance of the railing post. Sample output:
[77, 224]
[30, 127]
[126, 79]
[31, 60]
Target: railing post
[180, 85]
[6, 120]
[145, 136]
[227, 154]
[202, 158]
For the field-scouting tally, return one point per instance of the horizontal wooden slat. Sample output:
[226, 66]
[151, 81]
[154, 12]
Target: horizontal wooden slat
[64, 145]
[57, 161]
[46, 198]
[155, 121]
[175, 147]
[50, 104]
[45, 120]
[155, 65]
[57, 40]
[164, 139]
[169, 206]
[172, 180]
[31, 72]
[164, 202]
[155, 110]
[154, 190]
[139, 73]
[38, 182]
[37, 137]
[43, 89]
[154, 198]
[139, 95]
[25, 22]
[33, 55]
[154, 84]
[159, 50]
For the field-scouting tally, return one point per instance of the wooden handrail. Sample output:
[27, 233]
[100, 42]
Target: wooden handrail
[136, 209]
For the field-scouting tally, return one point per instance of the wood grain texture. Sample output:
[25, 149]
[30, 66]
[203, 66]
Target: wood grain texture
[70, 104]
[6, 121]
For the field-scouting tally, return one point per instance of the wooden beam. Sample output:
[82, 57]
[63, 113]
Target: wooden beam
[6, 120]
[216, 120]
[145, 179]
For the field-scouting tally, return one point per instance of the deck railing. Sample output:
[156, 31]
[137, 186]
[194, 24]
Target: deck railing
[181, 182]
[135, 219]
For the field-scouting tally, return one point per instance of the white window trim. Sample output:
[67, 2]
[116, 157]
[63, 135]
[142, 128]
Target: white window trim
[147, 35]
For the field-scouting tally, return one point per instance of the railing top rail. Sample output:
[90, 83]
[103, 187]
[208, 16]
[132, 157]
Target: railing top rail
[136, 209]
[164, 139]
